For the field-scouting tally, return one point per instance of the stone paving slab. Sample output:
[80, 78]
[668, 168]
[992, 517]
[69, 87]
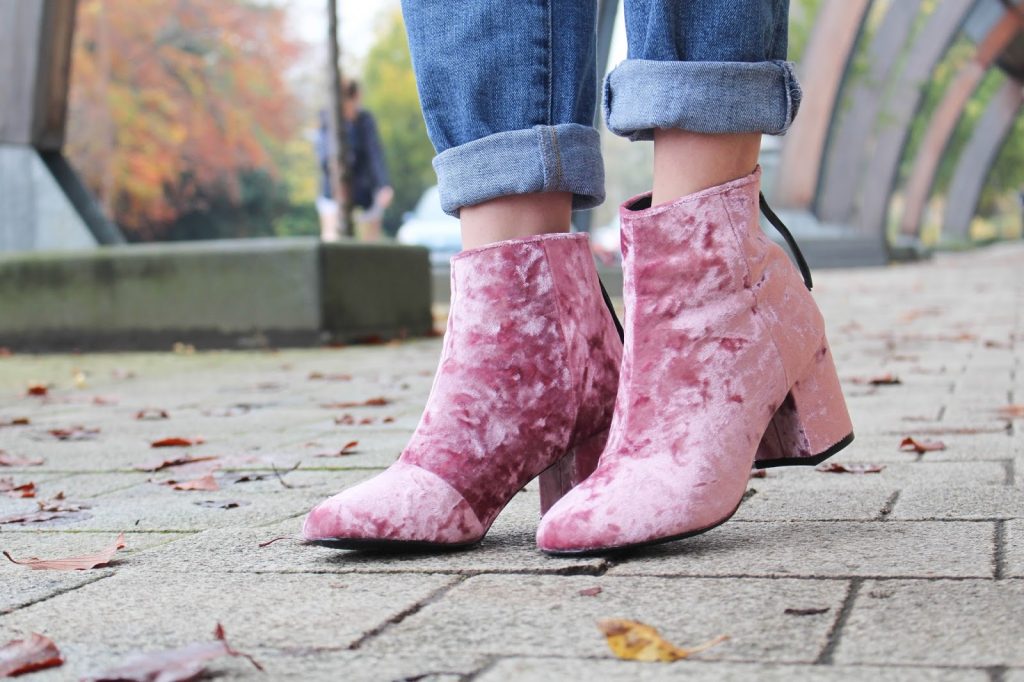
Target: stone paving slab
[547, 616]
[815, 549]
[962, 502]
[944, 622]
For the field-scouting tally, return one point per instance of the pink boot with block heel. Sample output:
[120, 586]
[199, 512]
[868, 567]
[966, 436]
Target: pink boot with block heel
[526, 384]
[725, 366]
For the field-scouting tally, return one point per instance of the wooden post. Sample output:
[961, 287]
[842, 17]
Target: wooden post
[341, 173]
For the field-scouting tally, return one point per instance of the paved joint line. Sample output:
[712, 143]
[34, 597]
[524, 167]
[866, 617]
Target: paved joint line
[4, 612]
[996, 673]
[889, 505]
[999, 553]
[482, 670]
[1010, 471]
[835, 634]
[405, 613]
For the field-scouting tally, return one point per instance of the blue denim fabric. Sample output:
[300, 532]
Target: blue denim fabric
[508, 87]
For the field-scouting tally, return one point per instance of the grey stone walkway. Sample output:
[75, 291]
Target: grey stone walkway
[916, 572]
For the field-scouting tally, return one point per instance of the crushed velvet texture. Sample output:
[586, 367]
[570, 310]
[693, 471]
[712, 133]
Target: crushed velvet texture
[719, 328]
[528, 372]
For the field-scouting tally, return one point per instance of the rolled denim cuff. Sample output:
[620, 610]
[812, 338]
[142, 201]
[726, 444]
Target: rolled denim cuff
[559, 158]
[701, 97]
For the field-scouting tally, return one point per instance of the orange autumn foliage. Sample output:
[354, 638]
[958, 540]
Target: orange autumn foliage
[173, 97]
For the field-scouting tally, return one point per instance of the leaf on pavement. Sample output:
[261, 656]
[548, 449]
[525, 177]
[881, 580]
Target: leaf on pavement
[222, 504]
[371, 402]
[48, 510]
[25, 490]
[590, 592]
[79, 563]
[176, 442]
[152, 413]
[909, 444]
[321, 376]
[78, 432]
[1015, 411]
[7, 460]
[37, 390]
[16, 421]
[631, 640]
[837, 468]
[207, 483]
[888, 379]
[173, 462]
[173, 665]
[22, 656]
[348, 448]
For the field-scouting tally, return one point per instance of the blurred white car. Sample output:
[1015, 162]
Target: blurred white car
[427, 225]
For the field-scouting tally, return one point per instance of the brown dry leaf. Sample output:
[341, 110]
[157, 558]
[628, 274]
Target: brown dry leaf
[17, 421]
[173, 665]
[371, 402]
[348, 448]
[1015, 411]
[632, 640]
[22, 656]
[79, 563]
[152, 413]
[345, 420]
[78, 432]
[590, 592]
[759, 473]
[48, 510]
[837, 468]
[206, 483]
[25, 490]
[177, 442]
[173, 462]
[908, 444]
[884, 380]
[321, 376]
[37, 389]
[7, 460]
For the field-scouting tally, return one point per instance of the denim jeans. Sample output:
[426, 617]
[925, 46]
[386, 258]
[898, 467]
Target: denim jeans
[509, 87]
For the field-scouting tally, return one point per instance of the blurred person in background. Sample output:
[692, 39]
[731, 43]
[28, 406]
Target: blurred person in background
[370, 184]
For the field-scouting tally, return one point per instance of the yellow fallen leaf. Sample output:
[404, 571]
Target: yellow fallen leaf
[631, 640]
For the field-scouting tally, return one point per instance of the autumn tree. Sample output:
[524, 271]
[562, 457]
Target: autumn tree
[175, 102]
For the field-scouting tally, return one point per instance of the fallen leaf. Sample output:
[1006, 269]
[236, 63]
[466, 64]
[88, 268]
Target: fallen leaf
[173, 462]
[908, 444]
[884, 380]
[1015, 411]
[590, 592]
[631, 640]
[348, 449]
[48, 510]
[222, 504]
[320, 376]
[759, 473]
[806, 612]
[12, 461]
[75, 433]
[100, 400]
[80, 563]
[206, 483]
[173, 665]
[270, 542]
[152, 413]
[17, 421]
[837, 468]
[38, 389]
[345, 420]
[176, 442]
[22, 656]
[388, 420]
[25, 490]
[371, 402]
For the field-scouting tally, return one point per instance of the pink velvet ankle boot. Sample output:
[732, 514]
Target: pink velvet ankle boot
[725, 363]
[526, 384]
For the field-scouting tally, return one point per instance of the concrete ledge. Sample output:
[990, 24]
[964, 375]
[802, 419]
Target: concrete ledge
[227, 294]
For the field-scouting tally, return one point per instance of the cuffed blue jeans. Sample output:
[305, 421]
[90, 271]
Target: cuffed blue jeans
[508, 87]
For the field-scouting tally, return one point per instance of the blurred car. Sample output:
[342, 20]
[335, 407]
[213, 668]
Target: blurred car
[427, 225]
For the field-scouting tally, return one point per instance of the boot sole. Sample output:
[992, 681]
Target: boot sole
[391, 546]
[619, 549]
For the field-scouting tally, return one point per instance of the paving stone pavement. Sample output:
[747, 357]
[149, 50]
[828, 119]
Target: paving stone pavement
[912, 573]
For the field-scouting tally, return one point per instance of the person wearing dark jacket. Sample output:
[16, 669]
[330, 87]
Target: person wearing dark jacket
[370, 184]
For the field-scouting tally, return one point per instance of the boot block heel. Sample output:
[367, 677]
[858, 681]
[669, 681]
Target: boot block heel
[571, 469]
[812, 424]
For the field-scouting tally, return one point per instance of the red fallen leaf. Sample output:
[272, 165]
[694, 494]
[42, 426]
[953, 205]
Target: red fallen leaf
[24, 491]
[371, 402]
[759, 473]
[908, 444]
[17, 421]
[348, 448]
[47, 511]
[345, 420]
[388, 420]
[268, 543]
[173, 462]
[100, 400]
[880, 380]
[206, 483]
[12, 461]
[75, 433]
[991, 343]
[21, 656]
[590, 592]
[152, 413]
[320, 376]
[837, 468]
[1015, 411]
[38, 389]
[173, 665]
[78, 563]
[176, 442]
